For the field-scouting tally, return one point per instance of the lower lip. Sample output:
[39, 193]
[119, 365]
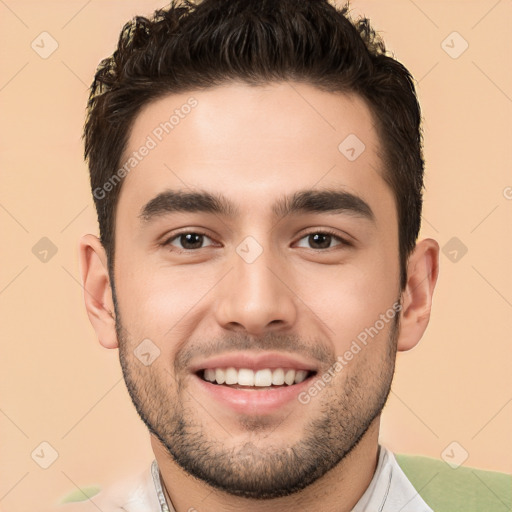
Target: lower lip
[253, 401]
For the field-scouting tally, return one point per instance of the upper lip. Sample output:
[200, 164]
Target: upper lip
[253, 361]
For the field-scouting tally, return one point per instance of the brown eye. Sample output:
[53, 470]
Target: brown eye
[322, 240]
[188, 241]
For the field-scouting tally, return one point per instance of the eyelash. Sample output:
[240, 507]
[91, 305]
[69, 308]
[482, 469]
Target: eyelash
[343, 242]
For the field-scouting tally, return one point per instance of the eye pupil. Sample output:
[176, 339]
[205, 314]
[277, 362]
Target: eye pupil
[317, 238]
[188, 239]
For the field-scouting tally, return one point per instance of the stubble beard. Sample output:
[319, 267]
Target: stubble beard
[259, 468]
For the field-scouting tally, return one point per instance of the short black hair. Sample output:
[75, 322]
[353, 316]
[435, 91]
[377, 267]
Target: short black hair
[191, 46]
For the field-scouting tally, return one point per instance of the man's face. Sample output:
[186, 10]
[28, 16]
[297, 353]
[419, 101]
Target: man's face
[253, 289]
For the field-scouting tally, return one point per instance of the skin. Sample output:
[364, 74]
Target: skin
[254, 144]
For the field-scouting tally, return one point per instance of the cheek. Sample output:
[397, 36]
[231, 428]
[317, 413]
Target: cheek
[350, 298]
[160, 302]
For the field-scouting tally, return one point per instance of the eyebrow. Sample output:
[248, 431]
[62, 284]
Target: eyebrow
[303, 201]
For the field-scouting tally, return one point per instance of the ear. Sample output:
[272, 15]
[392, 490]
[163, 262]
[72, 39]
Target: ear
[97, 290]
[422, 272]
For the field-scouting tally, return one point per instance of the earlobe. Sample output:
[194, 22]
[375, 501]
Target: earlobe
[97, 290]
[422, 273]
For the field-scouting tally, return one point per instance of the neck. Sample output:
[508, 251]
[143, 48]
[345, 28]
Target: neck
[337, 491]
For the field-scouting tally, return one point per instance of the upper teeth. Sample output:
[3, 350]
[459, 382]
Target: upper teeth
[247, 377]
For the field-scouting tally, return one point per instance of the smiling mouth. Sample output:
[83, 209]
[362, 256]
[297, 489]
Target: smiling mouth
[245, 378]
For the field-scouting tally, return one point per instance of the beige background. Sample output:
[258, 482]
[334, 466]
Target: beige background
[59, 386]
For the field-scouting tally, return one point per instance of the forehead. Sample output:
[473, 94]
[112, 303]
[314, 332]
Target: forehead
[252, 143]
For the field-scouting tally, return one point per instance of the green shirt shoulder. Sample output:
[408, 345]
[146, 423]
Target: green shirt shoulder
[466, 489]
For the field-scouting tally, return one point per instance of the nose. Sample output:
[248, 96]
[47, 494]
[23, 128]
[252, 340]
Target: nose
[255, 297]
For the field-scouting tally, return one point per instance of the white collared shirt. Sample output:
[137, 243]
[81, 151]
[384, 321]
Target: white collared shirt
[390, 490]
